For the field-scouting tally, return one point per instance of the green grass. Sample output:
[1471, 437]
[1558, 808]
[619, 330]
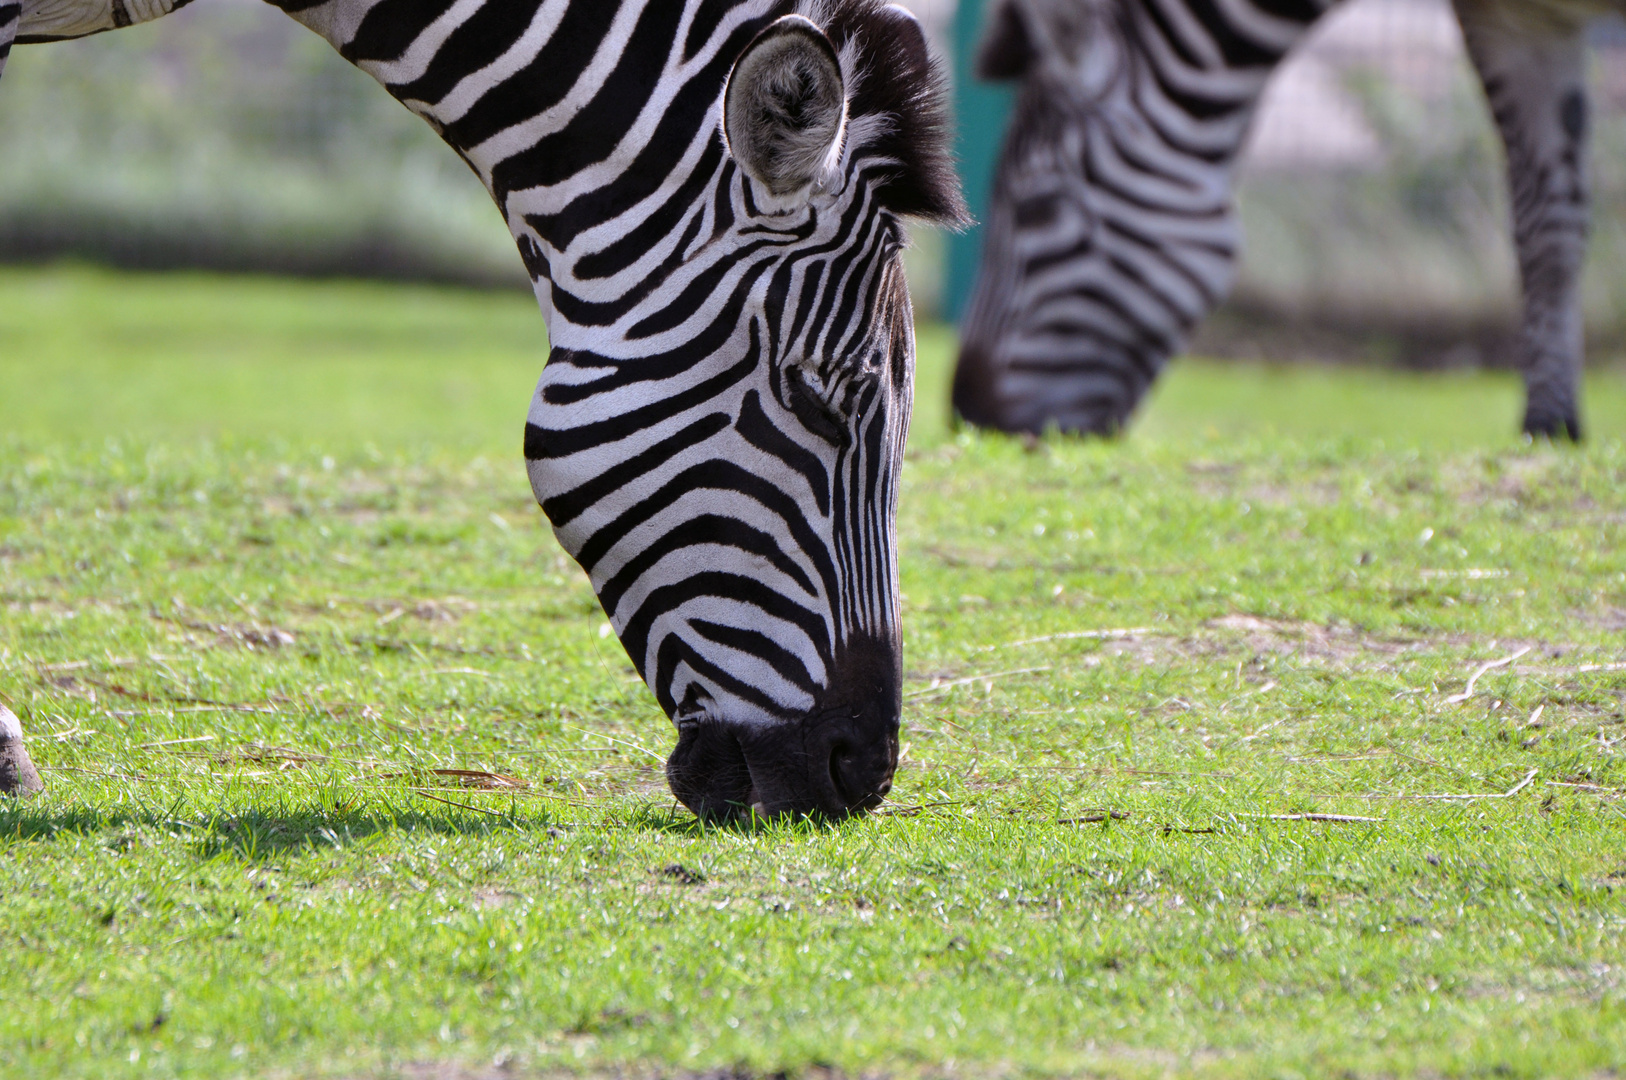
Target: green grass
[287, 524]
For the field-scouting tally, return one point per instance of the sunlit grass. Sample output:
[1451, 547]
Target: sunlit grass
[268, 560]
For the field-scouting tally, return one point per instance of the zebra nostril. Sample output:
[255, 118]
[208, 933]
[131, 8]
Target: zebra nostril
[839, 762]
[860, 780]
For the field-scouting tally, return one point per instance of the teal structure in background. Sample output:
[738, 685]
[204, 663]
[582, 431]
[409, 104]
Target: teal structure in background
[980, 113]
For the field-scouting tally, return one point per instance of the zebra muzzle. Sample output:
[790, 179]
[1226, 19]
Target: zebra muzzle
[825, 767]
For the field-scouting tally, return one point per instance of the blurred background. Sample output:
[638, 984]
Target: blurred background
[227, 137]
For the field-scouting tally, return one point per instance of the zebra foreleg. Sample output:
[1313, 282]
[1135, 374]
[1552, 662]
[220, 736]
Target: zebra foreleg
[17, 773]
[1531, 59]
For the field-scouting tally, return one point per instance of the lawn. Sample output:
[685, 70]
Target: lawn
[1283, 737]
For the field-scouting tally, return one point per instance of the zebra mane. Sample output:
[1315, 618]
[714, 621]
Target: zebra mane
[897, 107]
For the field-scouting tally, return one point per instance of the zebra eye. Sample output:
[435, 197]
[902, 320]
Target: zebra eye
[816, 414]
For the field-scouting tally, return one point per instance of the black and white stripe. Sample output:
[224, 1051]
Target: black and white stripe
[1112, 231]
[717, 435]
[11, 13]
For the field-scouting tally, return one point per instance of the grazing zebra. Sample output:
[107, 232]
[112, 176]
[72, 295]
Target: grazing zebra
[708, 196]
[1112, 231]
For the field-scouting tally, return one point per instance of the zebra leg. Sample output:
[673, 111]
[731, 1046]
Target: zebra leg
[1531, 60]
[17, 773]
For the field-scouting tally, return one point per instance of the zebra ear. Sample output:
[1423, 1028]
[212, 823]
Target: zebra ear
[785, 107]
[911, 36]
[1007, 50]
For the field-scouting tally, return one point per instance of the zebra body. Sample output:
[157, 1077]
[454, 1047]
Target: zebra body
[708, 197]
[1113, 233]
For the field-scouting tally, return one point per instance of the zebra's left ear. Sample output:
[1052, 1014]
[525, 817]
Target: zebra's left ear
[785, 107]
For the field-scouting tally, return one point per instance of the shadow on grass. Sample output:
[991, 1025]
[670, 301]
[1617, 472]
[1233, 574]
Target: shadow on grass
[259, 833]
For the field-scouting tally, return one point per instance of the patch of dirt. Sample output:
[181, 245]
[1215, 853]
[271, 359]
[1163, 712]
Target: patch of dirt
[1307, 640]
[251, 636]
[510, 1070]
[1227, 638]
[1230, 635]
[444, 610]
[681, 874]
[1610, 618]
[1217, 481]
[493, 899]
[1102, 1060]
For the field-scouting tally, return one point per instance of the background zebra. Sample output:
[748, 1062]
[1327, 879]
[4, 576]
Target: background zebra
[1112, 230]
[707, 196]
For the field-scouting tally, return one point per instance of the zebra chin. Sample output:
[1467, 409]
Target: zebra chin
[834, 762]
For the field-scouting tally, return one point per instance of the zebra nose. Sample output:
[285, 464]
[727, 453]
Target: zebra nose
[818, 767]
[975, 395]
[707, 771]
[861, 774]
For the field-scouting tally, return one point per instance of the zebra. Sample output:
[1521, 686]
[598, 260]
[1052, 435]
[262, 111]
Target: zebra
[710, 197]
[1112, 231]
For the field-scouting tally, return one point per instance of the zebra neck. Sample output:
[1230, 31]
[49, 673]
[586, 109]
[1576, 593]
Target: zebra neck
[576, 114]
[1234, 38]
[1205, 66]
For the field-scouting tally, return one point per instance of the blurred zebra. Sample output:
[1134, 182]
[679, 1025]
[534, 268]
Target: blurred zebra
[708, 196]
[1112, 230]
[11, 13]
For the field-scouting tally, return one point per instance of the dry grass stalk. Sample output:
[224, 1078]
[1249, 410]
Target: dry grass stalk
[461, 806]
[938, 687]
[1092, 817]
[1529, 778]
[1335, 819]
[619, 742]
[1489, 665]
[911, 811]
[1075, 635]
[174, 742]
[480, 778]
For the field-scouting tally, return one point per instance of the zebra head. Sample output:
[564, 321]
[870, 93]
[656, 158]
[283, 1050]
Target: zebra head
[718, 434]
[1111, 231]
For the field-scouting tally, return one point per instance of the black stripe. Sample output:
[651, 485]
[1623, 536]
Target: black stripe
[712, 476]
[705, 529]
[761, 433]
[389, 27]
[648, 172]
[736, 587]
[598, 127]
[786, 664]
[674, 651]
[637, 241]
[561, 443]
[543, 82]
[563, 509]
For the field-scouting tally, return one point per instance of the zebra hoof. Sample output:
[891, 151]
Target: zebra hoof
[18, 777]
[1553, 425]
